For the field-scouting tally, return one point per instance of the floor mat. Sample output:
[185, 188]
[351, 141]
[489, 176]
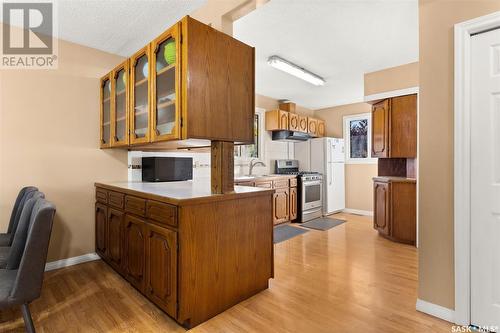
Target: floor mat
[284, 232]
[322, 223]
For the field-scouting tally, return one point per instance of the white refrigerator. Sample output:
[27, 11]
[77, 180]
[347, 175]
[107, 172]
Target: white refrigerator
[326, 156]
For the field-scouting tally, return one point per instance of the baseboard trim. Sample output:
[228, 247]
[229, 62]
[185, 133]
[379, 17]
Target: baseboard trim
[436, 310]
[358, 211]
[50, 266]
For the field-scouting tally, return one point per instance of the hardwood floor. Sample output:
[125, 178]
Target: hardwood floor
[347, 279]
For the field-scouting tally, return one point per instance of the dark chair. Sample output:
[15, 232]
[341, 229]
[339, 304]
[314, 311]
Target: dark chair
[6, 238]
[23, 285]
[10, 256]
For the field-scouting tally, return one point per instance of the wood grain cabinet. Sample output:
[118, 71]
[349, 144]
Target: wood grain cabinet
[303, 124]
[321, 128]
[293, 122]
[277, 120]
[171, 90]
[312, 126]
[140, 238]
[293, 203]
[161, 268]
[135, 251]
[281, 205]
[395, 208]
[394, 127]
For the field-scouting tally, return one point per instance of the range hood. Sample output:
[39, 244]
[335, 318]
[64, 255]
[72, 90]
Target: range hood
[290, 136]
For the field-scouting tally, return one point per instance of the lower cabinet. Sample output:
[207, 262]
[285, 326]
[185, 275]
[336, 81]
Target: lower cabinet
[135, 251]
[142, 251]
[101, 229]
[281, 203]
[293, 203]
[116, 221]
[395, 210]
[161, 268]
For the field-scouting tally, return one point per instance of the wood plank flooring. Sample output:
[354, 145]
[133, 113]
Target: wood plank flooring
[346, 279]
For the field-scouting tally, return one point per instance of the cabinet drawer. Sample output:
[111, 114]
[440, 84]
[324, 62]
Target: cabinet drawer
[264, 184]
[116, 199]
[162, 213]
[293, 182]
[135, 205]
[101, 196]
[245, 184]
[282, 183]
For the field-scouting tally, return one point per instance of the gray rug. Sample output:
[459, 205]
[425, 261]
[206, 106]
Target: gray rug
[284, 232]
[322, 223]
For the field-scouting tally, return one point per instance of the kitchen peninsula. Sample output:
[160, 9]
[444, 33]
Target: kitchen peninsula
[192, 253]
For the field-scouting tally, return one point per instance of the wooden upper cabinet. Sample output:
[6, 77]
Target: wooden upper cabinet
[120, 105]
[277, 120]
[312, 126]
[321, 128]
[140, 97]
[380, 129]
[394, 127]
[303, 124]
[403, 127]
[165, 82]
[105, 112]
[191, 82]
[293, 122]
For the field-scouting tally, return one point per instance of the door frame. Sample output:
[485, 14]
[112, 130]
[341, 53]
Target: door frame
[462, 152]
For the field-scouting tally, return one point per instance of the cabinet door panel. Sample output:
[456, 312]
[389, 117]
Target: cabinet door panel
[321, 128]
[120, 105]
[105, 114]
[293, 122]
[135, 251]
[293, 203]
[381, 220]
[312, 126]
[140, 97]
[283, 120]
[116, 220]
[303, 124]
[161, 281]
[166, 85]
[403, 126]
[101, 229]
[281, 205]
[380, 129]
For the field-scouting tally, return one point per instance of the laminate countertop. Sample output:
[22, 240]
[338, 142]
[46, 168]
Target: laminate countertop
[180, 193]
[389, 179]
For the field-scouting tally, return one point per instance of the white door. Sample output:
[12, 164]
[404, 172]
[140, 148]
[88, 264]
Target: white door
[485, 179]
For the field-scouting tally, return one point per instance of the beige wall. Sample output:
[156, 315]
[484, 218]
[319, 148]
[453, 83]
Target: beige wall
[436, 263]
[358, 177]
[50, 137]
[269, 103]
[394, 78]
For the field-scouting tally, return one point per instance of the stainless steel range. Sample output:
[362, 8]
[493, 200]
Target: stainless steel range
[310, 189]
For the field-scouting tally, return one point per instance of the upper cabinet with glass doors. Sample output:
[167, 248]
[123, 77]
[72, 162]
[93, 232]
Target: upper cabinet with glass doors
[191, 82]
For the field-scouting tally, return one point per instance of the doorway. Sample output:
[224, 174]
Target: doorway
[477, 172]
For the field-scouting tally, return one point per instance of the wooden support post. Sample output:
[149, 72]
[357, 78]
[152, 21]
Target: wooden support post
[222, 160]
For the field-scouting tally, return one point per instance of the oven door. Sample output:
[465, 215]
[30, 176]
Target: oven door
[312, 194]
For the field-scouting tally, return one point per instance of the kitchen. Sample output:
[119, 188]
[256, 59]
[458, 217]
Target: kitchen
[226, 180]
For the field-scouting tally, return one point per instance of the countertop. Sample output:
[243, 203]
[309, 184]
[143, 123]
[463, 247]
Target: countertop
[240, 179]
[394, 179]
[180, 193]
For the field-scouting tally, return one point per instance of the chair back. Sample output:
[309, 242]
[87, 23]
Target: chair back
[29, 279]
[23, 195]
[19, 241]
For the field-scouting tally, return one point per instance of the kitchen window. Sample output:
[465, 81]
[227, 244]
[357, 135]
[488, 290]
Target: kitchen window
[358, 139]
[244, 153]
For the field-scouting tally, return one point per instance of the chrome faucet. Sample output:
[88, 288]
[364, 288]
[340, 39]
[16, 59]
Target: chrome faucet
[254, 162]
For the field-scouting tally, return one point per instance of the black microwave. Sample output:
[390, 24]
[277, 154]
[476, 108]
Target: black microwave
[167, 169]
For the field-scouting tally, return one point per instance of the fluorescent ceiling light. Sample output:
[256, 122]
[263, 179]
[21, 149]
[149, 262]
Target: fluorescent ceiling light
[290, 68]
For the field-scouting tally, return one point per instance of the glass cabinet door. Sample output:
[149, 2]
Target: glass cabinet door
[165, 85]
[105, 111]
[139, 96]
[119, 116]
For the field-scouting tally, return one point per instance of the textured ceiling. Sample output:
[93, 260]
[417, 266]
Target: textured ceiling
[338, 40]
[118, 26]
